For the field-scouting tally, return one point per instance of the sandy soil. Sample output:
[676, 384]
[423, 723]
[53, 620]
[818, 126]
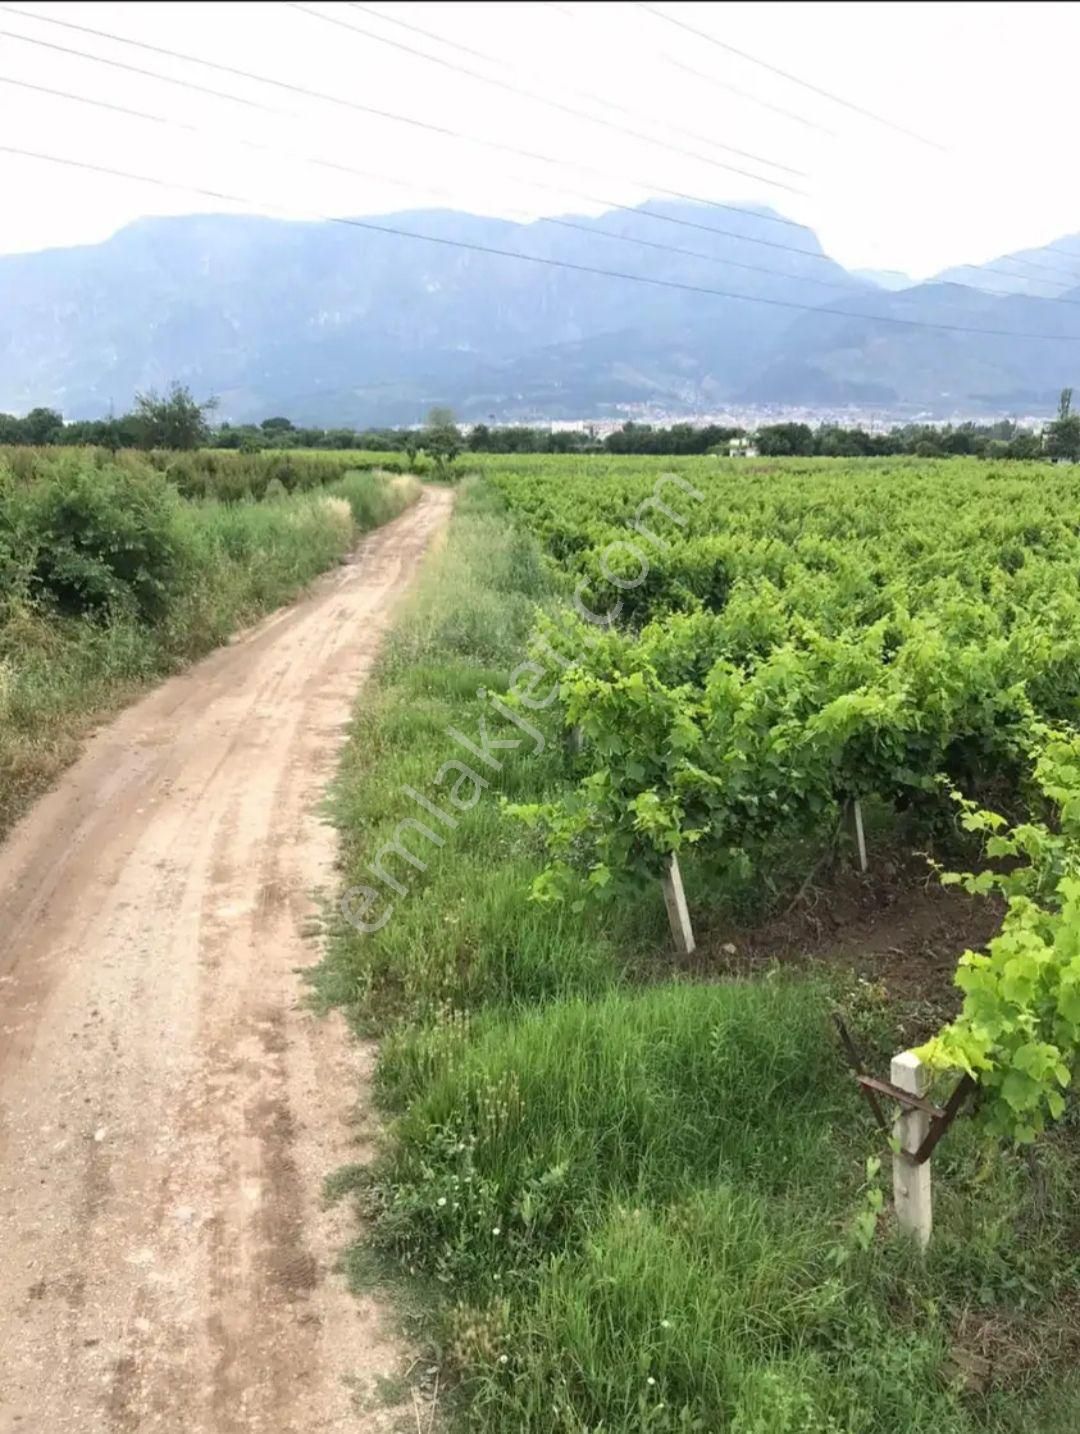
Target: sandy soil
[168, 1106]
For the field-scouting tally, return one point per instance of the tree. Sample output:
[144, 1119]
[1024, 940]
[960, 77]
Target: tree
[784, 440]
[1023, 445]
[174, 420]
[1063, 435]
[441, 439]
[42, 425]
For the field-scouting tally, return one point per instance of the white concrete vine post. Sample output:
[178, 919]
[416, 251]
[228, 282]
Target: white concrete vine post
[860, 835]
[677, 910]
[911, 1182]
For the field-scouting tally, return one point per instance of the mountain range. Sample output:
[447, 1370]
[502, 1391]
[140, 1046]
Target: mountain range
[360, 321]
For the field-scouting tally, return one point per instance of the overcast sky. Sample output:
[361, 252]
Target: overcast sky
[991, 87]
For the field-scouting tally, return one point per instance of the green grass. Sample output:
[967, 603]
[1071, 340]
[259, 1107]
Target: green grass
[464, 935]
[628, 1203]
[228, 565]
[663, 1185]
[637, 1096]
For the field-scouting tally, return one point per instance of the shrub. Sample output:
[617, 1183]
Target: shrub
[100, 540]
[109, 579]
[374, 496]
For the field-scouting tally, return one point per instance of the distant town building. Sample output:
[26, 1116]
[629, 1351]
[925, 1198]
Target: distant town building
[742, 448]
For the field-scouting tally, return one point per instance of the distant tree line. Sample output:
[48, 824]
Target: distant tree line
[171, 420]
[177, 420]
[1002, 439]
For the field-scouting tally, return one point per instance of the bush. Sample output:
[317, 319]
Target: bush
[109, 579]
[99, 540]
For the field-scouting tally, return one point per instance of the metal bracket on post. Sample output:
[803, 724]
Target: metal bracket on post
[918, 1128]
[940, 1117]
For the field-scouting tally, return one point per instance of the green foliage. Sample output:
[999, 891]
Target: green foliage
[1002, 439]
[172, 420]
[109, 579]
[42, 425]
[100, 541]
[441, 440]
[375, 497]
[220, 474]
[789, 640]
[465, 934]
[647, 1209]
[235, 476]
[1063, 435]
[785, 440]
[1018, 1033]
[812, 636]
[633, 1097]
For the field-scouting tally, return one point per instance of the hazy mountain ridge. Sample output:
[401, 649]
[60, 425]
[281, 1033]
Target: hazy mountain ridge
[1044, 272]
[341, 322]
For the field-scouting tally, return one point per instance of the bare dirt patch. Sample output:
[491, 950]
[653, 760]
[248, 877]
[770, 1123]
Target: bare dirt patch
[896, 926]
[169, 1105]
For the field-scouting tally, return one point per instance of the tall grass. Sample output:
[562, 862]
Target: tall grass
[109, 579]
[631, 1204]
[226, 475]
[464, 935]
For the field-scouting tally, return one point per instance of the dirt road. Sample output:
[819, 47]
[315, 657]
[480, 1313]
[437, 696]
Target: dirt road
[168, 1107]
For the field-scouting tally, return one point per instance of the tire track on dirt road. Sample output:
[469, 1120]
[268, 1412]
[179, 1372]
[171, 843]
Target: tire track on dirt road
[168, 1106]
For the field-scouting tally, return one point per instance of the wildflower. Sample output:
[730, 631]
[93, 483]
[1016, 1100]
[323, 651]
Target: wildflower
[665, 1324]
[650, 1380]
[441, 1200]
[496, 1231]
[504, 1359]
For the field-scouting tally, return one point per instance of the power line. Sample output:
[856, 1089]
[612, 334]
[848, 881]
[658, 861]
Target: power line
[696, 254]
[437, 129]
[608, 203]
[190, 128]
[1070, 279]
[133, 69]
[718, 83]
[590, 229]
[594, 99]
[787, 75]
[542, 98]
[356, 105]
[1035, 264]
[1004, 293]
[1024, 278]
[532, 183]
[398, 232]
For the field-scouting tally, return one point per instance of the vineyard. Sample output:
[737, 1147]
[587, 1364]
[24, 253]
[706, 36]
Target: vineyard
[755, 650]
[641, 1193]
